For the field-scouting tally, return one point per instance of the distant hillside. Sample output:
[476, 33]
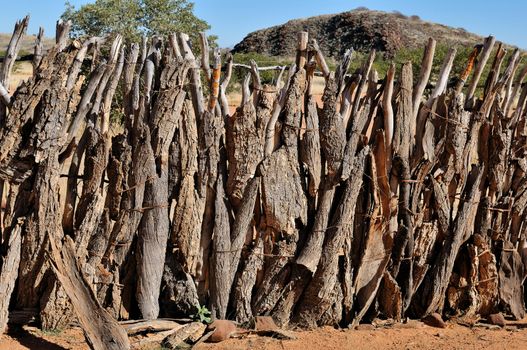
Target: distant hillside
[361, 29]
[28, 42]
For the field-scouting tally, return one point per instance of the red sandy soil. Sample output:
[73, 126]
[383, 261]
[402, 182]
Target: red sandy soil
[413, 335]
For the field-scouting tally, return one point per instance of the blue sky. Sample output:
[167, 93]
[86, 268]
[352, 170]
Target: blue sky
[231, 20]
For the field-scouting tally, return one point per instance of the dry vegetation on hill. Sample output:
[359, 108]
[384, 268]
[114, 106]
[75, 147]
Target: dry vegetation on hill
[361, 29]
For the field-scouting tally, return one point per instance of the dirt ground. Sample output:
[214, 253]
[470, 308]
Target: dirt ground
[413, 335]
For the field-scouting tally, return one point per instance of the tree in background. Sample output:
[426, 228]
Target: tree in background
[134, 18]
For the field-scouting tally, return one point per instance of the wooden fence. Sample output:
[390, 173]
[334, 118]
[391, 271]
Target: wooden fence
[393, 198]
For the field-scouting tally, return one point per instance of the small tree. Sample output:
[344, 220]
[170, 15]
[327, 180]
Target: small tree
[134, 18]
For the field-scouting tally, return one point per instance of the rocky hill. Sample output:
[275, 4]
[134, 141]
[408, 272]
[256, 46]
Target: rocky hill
[361, 29]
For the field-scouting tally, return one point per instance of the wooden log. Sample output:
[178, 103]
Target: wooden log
[492, 78]
[106, 106]
[321, 61]
[188, 213]
[246, 282]
[377, 243]
[12, 51]
[488, 45]
[331, 122]
[277, 107]
[319, 294]
[159, 325]
[6, 69]
[215, 80]
[436, 282]
[223, 87]
[468, 69]
[6, 97]
[100, 329]
[244, 150]
[511, 272]
[192, 332]
[387, 106]
[38, 49]
[221, 280]
[9, 270]
[62, 33]
[310, 153]
[242, 226]
[84, 104]
[517, 87]
[364, 76]
[42, 214]
[515, 62]
[154, 225]
[205, 52]
[301, 54]
[424, 75]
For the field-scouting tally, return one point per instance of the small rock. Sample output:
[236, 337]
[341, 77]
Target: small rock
[223, 330]
[434, 320]
[497, 319]
[365, 327]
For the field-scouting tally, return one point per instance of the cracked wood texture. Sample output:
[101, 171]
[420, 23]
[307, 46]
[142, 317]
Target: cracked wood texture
[385, 199]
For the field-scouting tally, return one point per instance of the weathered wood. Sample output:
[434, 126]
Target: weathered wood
[279, 209]
[192, 331]
[424, 75]
[387, 106]
[221, 256]
[39, 47]
[434, 290]
[310, 144]
[149, 326]
[376, 246]
[321, 61]
[319, 295]
[9, 270]
[244, 285]
[301, 55]
[12, 51]
[277, 107]
[100, 329]
[482, 61]
[62, 33]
